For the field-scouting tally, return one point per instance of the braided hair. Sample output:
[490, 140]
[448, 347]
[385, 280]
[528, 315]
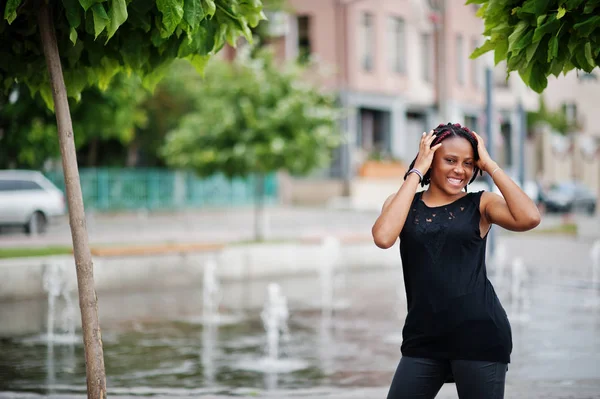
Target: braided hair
[442, 132]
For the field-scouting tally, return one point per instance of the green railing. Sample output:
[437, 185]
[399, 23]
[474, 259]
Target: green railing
[107, 189]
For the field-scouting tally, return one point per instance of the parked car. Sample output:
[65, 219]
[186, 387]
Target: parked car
[29, 199]
[569, 197]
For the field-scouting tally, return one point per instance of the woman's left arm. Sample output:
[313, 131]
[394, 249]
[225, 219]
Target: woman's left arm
[516, 211]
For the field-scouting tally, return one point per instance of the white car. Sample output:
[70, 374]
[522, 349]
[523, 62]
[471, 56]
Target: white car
[29, 199]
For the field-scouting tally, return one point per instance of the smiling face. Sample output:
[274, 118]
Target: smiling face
[453, 165]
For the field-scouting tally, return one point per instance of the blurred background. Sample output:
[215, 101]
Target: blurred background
[229, 215]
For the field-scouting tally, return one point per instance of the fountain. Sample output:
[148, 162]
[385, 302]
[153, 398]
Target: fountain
[211, 300]
[331, 249]
[210, 293]
[209, 338]
[274, 317]
[519, 301]
[330, 259]
[60, 324]
[62, 312]
[326, 344]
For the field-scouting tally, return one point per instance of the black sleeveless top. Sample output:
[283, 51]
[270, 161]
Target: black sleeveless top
[453, 310]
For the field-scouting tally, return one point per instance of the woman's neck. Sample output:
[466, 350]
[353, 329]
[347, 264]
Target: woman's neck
[434, 196]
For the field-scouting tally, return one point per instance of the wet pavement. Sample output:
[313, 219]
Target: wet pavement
[554, 312]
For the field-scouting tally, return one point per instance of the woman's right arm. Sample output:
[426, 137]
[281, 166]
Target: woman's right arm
[390, 222]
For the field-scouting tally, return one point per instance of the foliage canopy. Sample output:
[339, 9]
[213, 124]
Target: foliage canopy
[539, 38]
[254, 116]
[99, 38]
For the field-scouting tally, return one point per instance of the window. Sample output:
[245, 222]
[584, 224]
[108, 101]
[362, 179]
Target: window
[304, 44]
[368, 42]
[396, 42]
[471, 122]
[7, 185]
[426, 56]
[475, 65]
[28, 185]
[18, 185]
[460, 60]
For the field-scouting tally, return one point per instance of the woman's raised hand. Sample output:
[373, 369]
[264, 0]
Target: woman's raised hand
[426, 151]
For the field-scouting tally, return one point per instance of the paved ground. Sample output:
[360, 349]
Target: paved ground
[225, 225]
[555, 260]
[524, 391]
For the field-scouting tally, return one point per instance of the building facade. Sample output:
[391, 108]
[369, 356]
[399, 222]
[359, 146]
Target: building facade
[400, 67]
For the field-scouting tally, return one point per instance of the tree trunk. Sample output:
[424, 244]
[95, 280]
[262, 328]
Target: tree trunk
[93, 152]
[259, 191]
[92, 339]
[132, 154]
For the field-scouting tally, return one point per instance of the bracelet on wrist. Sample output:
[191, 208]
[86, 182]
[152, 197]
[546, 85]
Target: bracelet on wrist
[497, 168]
[417, 172]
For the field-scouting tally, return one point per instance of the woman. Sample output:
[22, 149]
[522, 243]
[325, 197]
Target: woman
[456, 330]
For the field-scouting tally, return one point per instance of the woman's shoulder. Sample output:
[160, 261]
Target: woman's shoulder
[481, 198]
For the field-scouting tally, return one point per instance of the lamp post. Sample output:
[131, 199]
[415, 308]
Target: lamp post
[439, 7]
[522, 133]
[489, 128]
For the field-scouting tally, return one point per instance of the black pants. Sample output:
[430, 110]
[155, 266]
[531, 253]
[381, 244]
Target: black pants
[423, 378]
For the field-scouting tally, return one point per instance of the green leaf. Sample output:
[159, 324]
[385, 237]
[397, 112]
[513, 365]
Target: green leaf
[73, 12]
[209, 7]
[501, 51]
[118, 15]
[557, 65]
[73, 36]
[135, 50]
[541, 19]
[573, 4]
[550, 26]
[588, 55]
[589, 8]
[10, 12]
[140, 20]
[524, 41]
[561, 12]
[142, 6]
[552, 49]
[484, 48]
[193, 13]
[46, 94]
[516, 61]
[519, 32]
[199, 62]
[172, 14]
[101, 19]
[86, 4]
[536, 7]
[534, 77]
[590, 24]
[531, 50]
